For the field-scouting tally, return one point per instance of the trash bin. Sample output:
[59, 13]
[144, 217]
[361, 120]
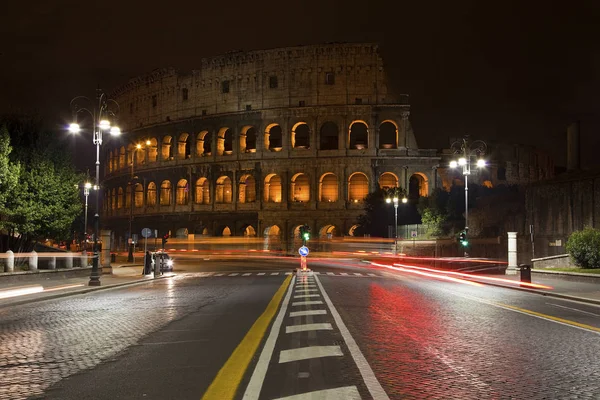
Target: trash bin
[525, 273]
[113, 257]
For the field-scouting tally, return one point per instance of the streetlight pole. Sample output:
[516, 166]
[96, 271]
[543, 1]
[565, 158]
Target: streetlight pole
[86, 192]
[467, 150]
[395, 201]
[100, 110]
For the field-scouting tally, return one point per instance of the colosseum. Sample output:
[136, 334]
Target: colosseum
[258, 143]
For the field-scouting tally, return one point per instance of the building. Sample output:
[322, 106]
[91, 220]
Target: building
[258, 143]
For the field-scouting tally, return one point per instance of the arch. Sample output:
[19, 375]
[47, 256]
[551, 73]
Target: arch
[226, 231]
[248, 139]
[200, 230]
[358, 135]
[130, 154]
[327, 231]
[151, 194]
[272, 230]
[352, 230]
[388, 180]
[247, 189]
[140, 153]
[273, 137]
[128, 196]
[300, 188]
[113, 200]
[153, 150]
[488, 184]
[272, 188]
[296, 232]
[418, 185]
[183, 146]
[115, 160]
[388, 135]
[225, 141]
[165, 193]
[122, 157]
[139, 195]
[249, 231]
[223, 190]
[203, 144]
[329, 136]
[202, 191]
[167, 148]
[120, 198]
[301, 136]
[328, 188]
[182, 194]
[181, 233]
[358, 187]
[110, 161]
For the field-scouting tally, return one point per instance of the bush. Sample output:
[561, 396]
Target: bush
[584, 247]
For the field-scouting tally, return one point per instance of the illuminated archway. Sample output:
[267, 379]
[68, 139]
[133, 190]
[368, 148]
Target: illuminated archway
[388, 180]
[248, 140]
[151, 194]
[273, 231]
[247, 189]
[225, 141]
[139, 195]
[182, 194]
[203, 144]
[223, 190]
[300, 136]
[272, 188]
[120, 198]
[418, 185]
[358, 187]
[358, 135]
[273, 137]
[328, 188]
[226, 231]
[327, 231]
[153, 150]
[167, 148]
[249, 231]
[165, 193]
[352, 230]
[300, 188]
[388, 135]
[202, 191]
[183, 146]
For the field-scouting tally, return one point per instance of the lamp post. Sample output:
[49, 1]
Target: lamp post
[467, 151]
[395, 201]
[100, 110]
[86, 192]
[131, 200]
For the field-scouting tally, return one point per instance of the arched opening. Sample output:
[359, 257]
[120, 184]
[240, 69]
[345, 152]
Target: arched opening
[182, 195]
[247, 189]
[300, 188]
[358, 187]
[359, 135]
[113, 200]
[301, 136]
[128, 196]
[151, 194]
[165, 193]
[120, 198]
[418, 186]
[203, 144]
[273, 137]
[224, 142]
[327, 232]
[130, 154]
[352, 230]
[115, 160]
[329, 136]
[388, 180]
[488, 184]
[200, 230]
[272, 230]
[223, 190]
[226, 231]
[296, 232]
[122, 158]
[181, 233]
[388, 135]
[110, 161]
[167, 148]
[183, 146]
[249, 231]
[139, 156]
[328, 188]
[248, 140]
[202, 191]
[139, 195]
[273, 188]
[153, 150]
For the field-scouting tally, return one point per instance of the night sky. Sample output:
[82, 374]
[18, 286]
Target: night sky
[517, 71]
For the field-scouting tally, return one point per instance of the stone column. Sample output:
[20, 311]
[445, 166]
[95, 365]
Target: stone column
[84, 259]
[10, 261]
[52, 263]
[105, 255]
[33, 261]
[69, 260]
[512, 254]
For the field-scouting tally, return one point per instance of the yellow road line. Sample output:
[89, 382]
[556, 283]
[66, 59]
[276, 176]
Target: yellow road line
[555, 319]
[227, 381]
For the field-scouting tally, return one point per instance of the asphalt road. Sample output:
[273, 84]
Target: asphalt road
[346, 332]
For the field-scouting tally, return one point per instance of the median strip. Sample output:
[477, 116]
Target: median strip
[227, 381]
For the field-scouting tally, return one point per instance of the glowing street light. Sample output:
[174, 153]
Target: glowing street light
[394, 200]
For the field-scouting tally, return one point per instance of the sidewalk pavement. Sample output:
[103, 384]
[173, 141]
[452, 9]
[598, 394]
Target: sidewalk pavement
[45, 287]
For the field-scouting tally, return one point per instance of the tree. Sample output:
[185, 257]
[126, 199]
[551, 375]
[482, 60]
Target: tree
[584, 248]
[379, 215]
[9, 174]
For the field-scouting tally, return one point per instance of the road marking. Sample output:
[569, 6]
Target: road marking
[226, 383]
[574, 309]
[305, 296]
[343, 393]
[234, 274]
[366, 372]
[219, 274]
[358, 274]
[258, 376]
[308, 327]
[307, 312]
[306, 303]
[306, 353]
[330, 273]
[274, 273]
[260, 273]
[247, 274]
[316, 273]
[288, 273]
[371, 274]
[307, 290]
[343, 274]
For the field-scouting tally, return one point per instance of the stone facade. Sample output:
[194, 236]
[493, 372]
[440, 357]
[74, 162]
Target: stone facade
[259, 143]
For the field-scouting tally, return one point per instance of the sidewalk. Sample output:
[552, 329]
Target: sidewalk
[46, 287]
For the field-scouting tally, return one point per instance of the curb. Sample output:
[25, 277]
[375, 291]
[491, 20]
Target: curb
[80, 291]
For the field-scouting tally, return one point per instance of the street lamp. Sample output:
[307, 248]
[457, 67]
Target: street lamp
[132, 199]
[467, 151]
[99, 109]
[395, 201]
[86, 192]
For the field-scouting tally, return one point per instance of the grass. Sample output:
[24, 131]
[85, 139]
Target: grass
[574, 269]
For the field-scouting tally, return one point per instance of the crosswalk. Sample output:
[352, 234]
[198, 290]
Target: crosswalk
[284, 273]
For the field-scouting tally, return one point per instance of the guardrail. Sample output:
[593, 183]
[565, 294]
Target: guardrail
[51, 260]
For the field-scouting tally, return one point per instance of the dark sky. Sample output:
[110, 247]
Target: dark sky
[499, 70]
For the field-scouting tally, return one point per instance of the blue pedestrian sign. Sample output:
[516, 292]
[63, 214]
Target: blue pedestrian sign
[303, 251]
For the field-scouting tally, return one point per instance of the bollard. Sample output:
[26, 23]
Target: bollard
[84, 259]
[157, 266]
[10, 261]
[33, 261]
[525, 273]
[69, 260]
[52, 263]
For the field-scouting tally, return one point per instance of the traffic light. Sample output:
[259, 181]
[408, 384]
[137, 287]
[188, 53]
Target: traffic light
[462, 238]
[305, 232]
[164, 240]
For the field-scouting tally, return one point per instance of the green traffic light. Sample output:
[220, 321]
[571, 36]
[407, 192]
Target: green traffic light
[306, 236]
